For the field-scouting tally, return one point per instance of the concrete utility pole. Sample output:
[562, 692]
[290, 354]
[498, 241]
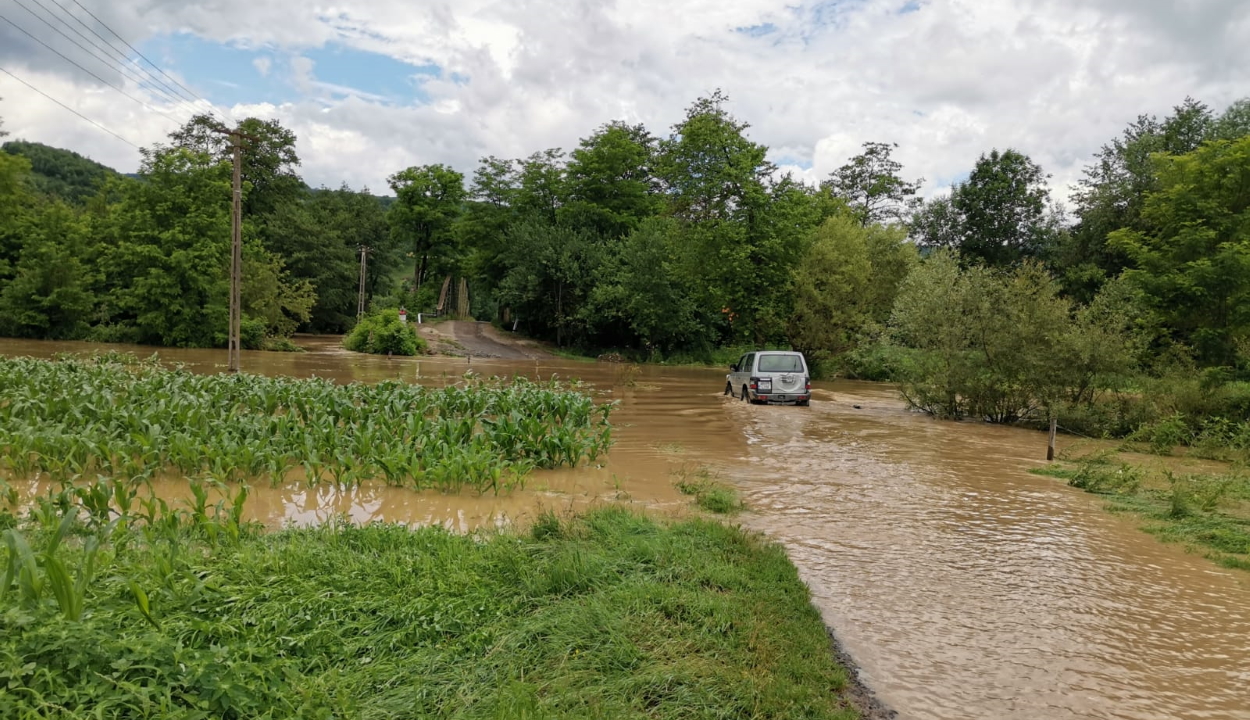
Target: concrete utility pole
[364, 276]
[236, 247]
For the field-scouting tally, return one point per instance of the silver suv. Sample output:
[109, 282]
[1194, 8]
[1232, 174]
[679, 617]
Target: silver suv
[770, 376]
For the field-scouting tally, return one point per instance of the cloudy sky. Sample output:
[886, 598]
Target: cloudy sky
[373, 86]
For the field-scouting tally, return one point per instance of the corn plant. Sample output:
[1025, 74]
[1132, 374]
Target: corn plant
[119, 418]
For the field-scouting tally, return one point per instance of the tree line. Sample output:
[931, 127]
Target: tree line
[990, 301]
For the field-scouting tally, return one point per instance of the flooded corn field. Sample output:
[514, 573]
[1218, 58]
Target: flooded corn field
[963, 585]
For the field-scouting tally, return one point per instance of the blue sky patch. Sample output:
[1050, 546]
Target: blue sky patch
[800, 163]
[911, 7]
[386, 78]
[227, 74]
[757, 30]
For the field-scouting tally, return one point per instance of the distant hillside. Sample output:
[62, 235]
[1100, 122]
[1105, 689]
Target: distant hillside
[60, 173]
[384, 200]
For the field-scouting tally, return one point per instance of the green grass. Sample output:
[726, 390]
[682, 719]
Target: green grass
[605, 615]
[136, 420]
[1207, 512]
[708, 492]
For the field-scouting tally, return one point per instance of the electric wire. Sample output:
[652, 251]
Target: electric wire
[156, 67]
[175, 100]
[80, 67]
[155, 84]
[67, 107]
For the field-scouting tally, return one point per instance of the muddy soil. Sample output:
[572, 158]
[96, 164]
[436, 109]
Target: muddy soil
[469, 338]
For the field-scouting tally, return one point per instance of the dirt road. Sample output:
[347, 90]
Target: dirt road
[481, 339]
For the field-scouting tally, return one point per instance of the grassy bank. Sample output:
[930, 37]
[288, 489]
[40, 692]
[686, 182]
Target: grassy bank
[1209, 512]
[188, 614]
[135, 420]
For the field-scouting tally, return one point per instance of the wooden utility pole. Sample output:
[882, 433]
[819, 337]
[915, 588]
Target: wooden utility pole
[236, 256]
[1050, 446]
[364, 275]
[236, 246]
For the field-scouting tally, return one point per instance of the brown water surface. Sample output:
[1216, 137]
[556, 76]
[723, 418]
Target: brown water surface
[964, 586]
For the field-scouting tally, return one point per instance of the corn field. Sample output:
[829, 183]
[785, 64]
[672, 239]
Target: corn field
[115, 417]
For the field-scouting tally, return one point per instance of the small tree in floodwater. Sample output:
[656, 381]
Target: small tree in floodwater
[1002, 345]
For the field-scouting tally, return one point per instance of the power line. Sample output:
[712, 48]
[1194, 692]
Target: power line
[67, 107]
[176, 100]
[80, 67]
[145, 76]
[145, 59]
[186, 95]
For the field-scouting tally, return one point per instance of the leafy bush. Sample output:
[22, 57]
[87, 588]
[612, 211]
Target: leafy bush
[878, 361]
[1003, 345]
[384, 333]
[251, 333]
[282, 345]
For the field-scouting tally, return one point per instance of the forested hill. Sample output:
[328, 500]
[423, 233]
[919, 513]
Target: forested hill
[60, 173]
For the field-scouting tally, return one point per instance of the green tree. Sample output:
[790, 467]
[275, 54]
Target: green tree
[710, 170]
[1234, 123]
[734, 250]
[14, 206]
[166, 251]
[552, 271]
[490, 210]
[610, 183]
[1108, 339]
[429, 200]
[1003, 345]
[269, 159]
[318, 239]
[846, 284]
[640, 300]
[1193, 263]
[984, 340]
[1000, 216]
[872, 187]
[271, 296]
[49, 295]
[1113, 191]
[542, 187]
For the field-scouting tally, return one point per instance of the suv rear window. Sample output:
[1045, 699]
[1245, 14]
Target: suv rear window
[780, 363]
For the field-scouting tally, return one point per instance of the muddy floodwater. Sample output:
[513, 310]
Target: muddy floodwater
[963, 585]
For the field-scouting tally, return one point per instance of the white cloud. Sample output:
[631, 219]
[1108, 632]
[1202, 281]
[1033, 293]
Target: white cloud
[1052, 78]
[263, 65]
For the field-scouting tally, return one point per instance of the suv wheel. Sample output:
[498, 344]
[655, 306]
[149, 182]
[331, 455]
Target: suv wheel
[729, 389]
[746, 395]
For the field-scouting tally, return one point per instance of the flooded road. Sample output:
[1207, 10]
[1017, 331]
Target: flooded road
[963, 585]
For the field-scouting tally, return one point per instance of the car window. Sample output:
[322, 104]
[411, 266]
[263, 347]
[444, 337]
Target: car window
[748, 363]
[781, 363]
[742, 363]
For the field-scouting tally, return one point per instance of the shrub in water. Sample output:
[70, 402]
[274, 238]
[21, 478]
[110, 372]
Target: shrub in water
[382, 333]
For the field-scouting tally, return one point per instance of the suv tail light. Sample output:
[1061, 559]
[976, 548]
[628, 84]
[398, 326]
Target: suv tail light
[807, 383]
